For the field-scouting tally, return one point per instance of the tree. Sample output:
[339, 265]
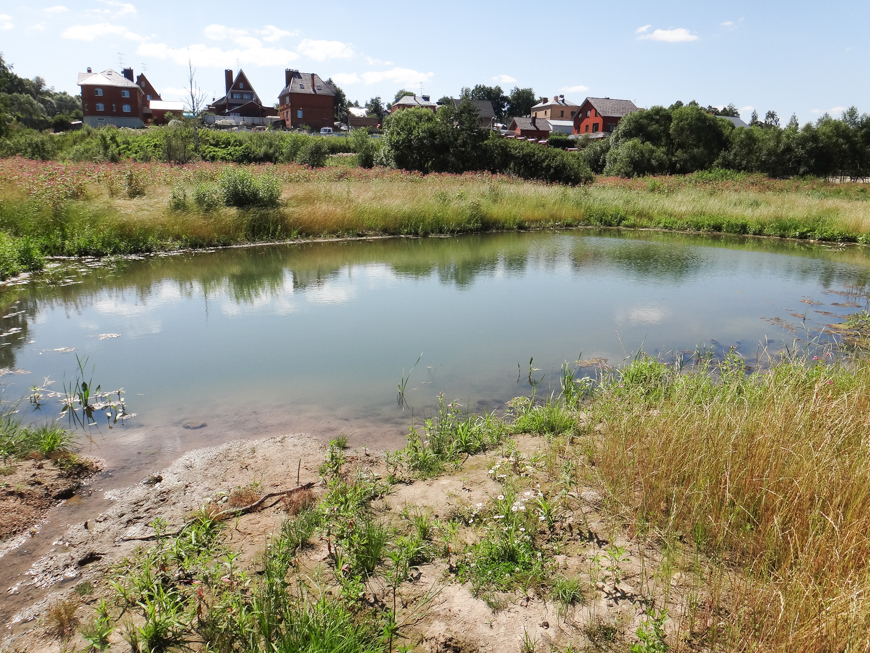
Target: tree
[376, 107]
[495, 96]
[753, 121]
[339, 102]
[195, 99]
[771, 119]
[520, 102]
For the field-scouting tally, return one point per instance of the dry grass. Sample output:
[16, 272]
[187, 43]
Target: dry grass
[769, 476]
[61, 618]
[243, 496]
[295, 503]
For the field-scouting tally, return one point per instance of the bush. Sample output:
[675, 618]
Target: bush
[240, 188]
[365, 147]
[314, 153]
[206, 196]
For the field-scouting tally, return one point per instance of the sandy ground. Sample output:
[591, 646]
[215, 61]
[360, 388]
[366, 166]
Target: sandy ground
[438, 614]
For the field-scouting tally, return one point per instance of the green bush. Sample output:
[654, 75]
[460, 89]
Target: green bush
[314, 153]
[240, 188]
[365, 147]
[206, 196]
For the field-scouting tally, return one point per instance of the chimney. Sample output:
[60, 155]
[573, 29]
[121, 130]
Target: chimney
[313, 87]
[544, 100]
[562, 97]
[89, 69]
[228, 78]
[535, 121]
[128, 73]
[288, 76]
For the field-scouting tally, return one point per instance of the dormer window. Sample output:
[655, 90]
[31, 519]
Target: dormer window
[98, 92]
[241, 85]
[302, 86]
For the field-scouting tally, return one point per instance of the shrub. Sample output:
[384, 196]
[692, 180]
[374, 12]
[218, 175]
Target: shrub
[206, 196]
[314, 153]
[240, 188]
[364, 146]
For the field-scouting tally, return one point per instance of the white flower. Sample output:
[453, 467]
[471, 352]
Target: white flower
[541, 518]
[522, 507]
[522, 530]
[480, 505]
[514, 508]
[501, 497]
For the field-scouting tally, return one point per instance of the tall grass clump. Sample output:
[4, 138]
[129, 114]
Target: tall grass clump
[767, 473]
[242, 189]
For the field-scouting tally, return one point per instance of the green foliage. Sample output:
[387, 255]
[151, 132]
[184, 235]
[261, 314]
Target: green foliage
[313, 153]
[568, 592]
[652, 635]
[520, 102]
[365, 147]
[242, 189]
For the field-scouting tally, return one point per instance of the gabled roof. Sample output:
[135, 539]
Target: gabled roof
[302, 83]
[525, 124]
[612, 108]
[414, 101]
[106, 78]
[737, 121]
[483, 106]
[557, 101]
[241, 77]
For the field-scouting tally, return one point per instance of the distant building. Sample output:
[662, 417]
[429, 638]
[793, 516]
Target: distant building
[412, 102]
[532, 128]
[601, 115]
[159, 109]
[109, 98]
[737, 122]
[143, 83]
[240, 100]
[484, 107]
[557, 108]
[306, 100]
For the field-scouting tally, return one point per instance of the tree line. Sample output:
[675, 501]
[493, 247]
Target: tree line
[30, 103]
[682, 139]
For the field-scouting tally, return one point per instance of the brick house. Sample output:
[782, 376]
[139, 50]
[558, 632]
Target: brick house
[532, 128]
[240, 100]
[601, 115]
[413, 102]
[557, 108]
[109, 98]
[306, 100]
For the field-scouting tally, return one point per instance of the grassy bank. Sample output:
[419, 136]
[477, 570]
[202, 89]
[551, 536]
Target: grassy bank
[100, 209]
[728, 512]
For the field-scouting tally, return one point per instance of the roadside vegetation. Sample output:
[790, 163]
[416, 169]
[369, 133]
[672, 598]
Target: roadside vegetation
[722, 510]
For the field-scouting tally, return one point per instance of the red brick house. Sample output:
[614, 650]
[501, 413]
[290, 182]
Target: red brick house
[109, 98]
[601, 115]
[240, 100]
[533, 128]
[306, 100]
[143, 83]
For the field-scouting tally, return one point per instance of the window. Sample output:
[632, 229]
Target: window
[126, 108]
[98, 92]
[561, 114]
[114, 107]
[247, 96]
[594, 127]
[125, 93]
[241, 85]
[572, 113]
[587, 129]
[149, 97]
[299, 113]
[100, 106]
[587, 113]
[86, 107]
[302, 86]
[237, 96]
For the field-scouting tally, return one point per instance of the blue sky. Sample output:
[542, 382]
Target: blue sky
[792, 57]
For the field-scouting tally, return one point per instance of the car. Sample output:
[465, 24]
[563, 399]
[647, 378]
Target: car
[326, 131]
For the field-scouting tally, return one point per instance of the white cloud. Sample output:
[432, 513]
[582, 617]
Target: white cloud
[676, 35]
[504, 79]
[172, 92]
[57, 9]
[748, 107]
[6, 22]
[215, 57]
[122, 8]
[323, 50]
[377, 62]
[727, 23]
[834, 111]
[39, 27]
[271, 34]
[641, 30]
[346, 78]
[401, 76]
[90, 32]
[579, 88]
[222, 32]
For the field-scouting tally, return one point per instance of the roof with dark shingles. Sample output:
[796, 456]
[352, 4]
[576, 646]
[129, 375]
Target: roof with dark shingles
[525, 124]
[414, 101]
[483, 106]
[612, 108]
[301, 83]
[555, 102]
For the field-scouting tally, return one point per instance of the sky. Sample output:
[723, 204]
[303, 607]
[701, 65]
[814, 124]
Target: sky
[791, 57]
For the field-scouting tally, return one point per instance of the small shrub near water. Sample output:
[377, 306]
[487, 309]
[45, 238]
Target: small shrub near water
[240, 188]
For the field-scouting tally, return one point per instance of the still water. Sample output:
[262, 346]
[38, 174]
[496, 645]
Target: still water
[316, 337]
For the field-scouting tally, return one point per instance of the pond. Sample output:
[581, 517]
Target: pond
[317, 337]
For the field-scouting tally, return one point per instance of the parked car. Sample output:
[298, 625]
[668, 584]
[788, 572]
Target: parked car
[326, 131]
